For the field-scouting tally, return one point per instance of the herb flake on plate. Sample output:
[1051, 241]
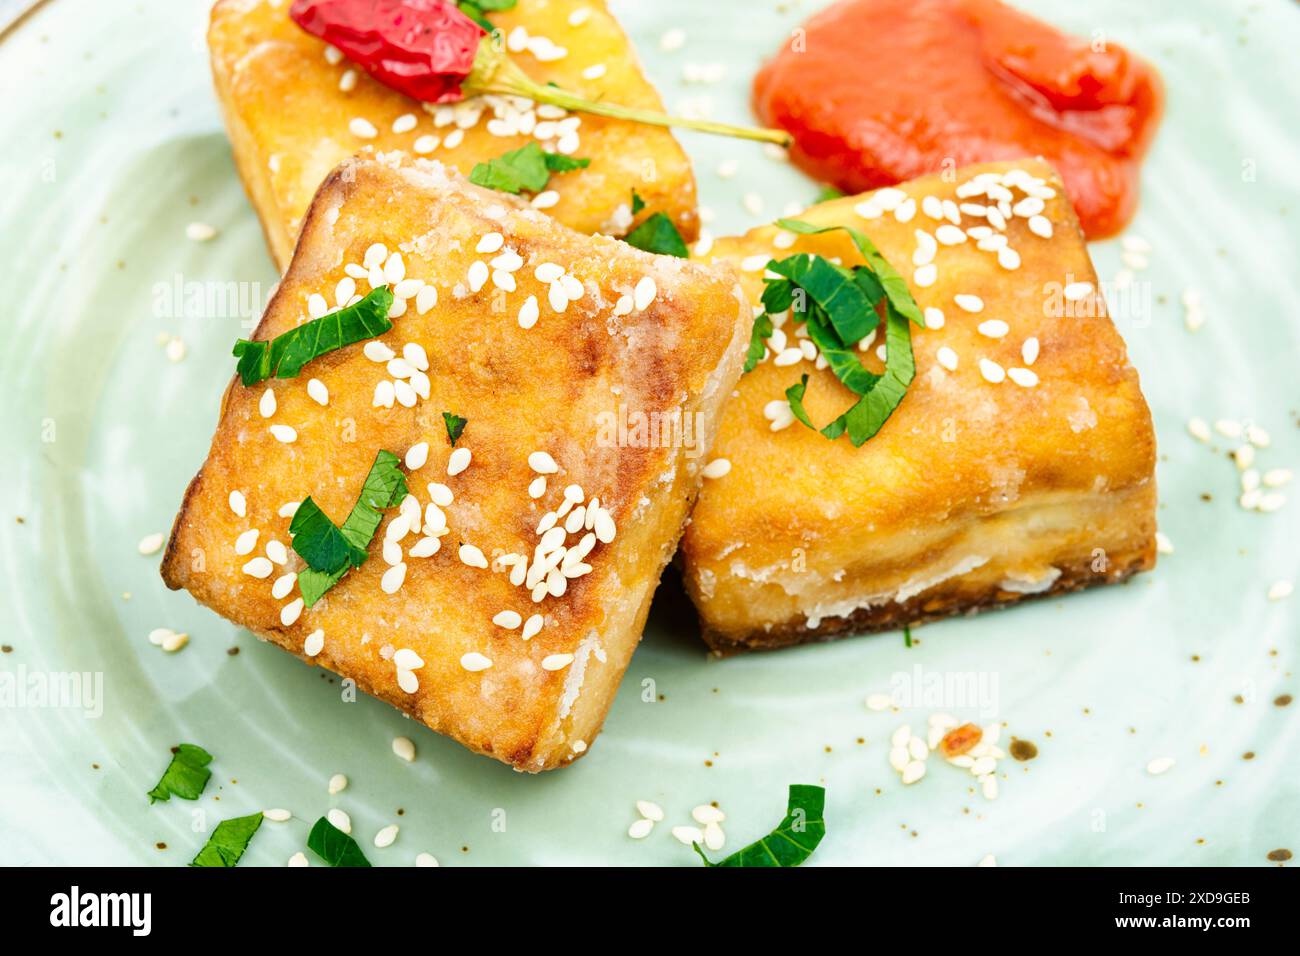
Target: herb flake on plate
[286, 354]
[526, 169]
[795, 837]
[228, 841]
[334, 846]
[657, 234]
[185, 776]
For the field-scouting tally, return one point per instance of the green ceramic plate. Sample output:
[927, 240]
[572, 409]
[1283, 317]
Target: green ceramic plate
[112, 145]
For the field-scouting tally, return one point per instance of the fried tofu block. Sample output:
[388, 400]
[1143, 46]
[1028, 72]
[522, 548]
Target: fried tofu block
[293, 114]
[1020, 462]
[569, 336]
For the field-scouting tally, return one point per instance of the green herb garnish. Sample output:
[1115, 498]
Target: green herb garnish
[477, 11]
[907, 635]
[526, 169]
[762, 331]
[637, 202]
[228, 841]
[455, 426]
[285, 355]
[657, 234]
[839, 307]
[793, 841]
[185, 776]
[827, 193]
[331, 551]
[334, 846]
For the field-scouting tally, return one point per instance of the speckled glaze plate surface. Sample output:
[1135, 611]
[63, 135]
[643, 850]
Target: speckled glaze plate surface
[112, 146]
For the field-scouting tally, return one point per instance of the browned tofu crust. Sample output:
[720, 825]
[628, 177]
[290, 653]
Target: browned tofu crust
[974, 494]
[560, 387]
[289, 120]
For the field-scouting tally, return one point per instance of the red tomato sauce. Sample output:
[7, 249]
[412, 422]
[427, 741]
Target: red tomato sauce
[876, 92]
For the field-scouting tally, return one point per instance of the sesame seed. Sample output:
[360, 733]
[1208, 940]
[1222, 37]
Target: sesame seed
[472, 555]
[947, 358]
[1277, 477]
[1257, 436]
[650, 811]
[425, 860]
[1029, 350]
[969, 303]
[290, 613]
[417, 455]
[393, 578]
[340, 819]
[644, 293]
[475, 662]
[934, 318]
[546, 199]
[1163, 544]
[716, 468]
[913, 771]
[556, 662]
[688, 835]
[200, 232]
[386, 836]
[1076, 291]
[1280, 590]
[925, 276]
[542, 463]
[1023, 377]
[404, 748]
[1008, 258]
[672, 40]
[313, 645]
[532, 626]
[1160, 765]
[245, 543]
[259, 567]
[950, 235]
[507, 619]
[1198, 429]
[237, 503]
[299, 859]
[284, 433]
[1228, 428]
[992, 371]
[994, 328]
[537, 487]
[277, 815]
[640, 829]
[362, 128]
[404, 123]
[151, 543]
[458, 461]
[348, 81]
[879, 702]
[1040, 226]
[706, 813]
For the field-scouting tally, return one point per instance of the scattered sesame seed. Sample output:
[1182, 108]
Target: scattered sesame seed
[475, 662]
[200, 232]
[644, 293]
[425, 860]
[299, 859]
[532, 626]
[362, 128]
[417, 455]
[542, 463]
[238, 504]
[284, 433]
[290, 613]
[1025, 378]
[1163, 544]
[994, 328]
[246, 542]
[556, 662]
[969, 303]
[1076, 291]
[339, 818]
[314, 643]
[507, 619]
[277, 815]
[716, 468]
[640, 829]
[259, 567]
[404, 748]
[473, 556]
[650, 811]
[879, 702]
[151, 543]
[386, 836]
[947, 358]
[688, 835]
[1160, 765]
[672, 40]
[337, 784]
[1280, 590]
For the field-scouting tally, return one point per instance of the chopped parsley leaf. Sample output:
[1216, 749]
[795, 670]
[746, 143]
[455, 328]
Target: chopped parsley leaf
[657, 234]
[185, 776]
[637, 202]
[794, 839]
[455, 426]
[526, 169]
[228, 841]
[286, 354]
[334, 846]
[331, 551]
[758, 341]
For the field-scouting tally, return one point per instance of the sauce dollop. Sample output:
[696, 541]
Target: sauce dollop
[876, 92]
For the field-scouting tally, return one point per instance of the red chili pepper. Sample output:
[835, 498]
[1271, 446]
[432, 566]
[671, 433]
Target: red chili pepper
[431, 51]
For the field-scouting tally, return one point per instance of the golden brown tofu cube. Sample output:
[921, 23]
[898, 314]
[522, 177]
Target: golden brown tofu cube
[290, 113]
[545, 340]
[1020, 462]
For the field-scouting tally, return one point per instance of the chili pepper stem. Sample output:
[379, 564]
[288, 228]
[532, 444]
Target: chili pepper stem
[496, 73]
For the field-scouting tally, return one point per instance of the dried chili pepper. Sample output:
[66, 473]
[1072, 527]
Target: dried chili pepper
[431, 51]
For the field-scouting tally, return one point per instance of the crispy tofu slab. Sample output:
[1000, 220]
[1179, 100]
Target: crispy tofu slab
[550, 343]
[294, 111]
[1020, 462]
